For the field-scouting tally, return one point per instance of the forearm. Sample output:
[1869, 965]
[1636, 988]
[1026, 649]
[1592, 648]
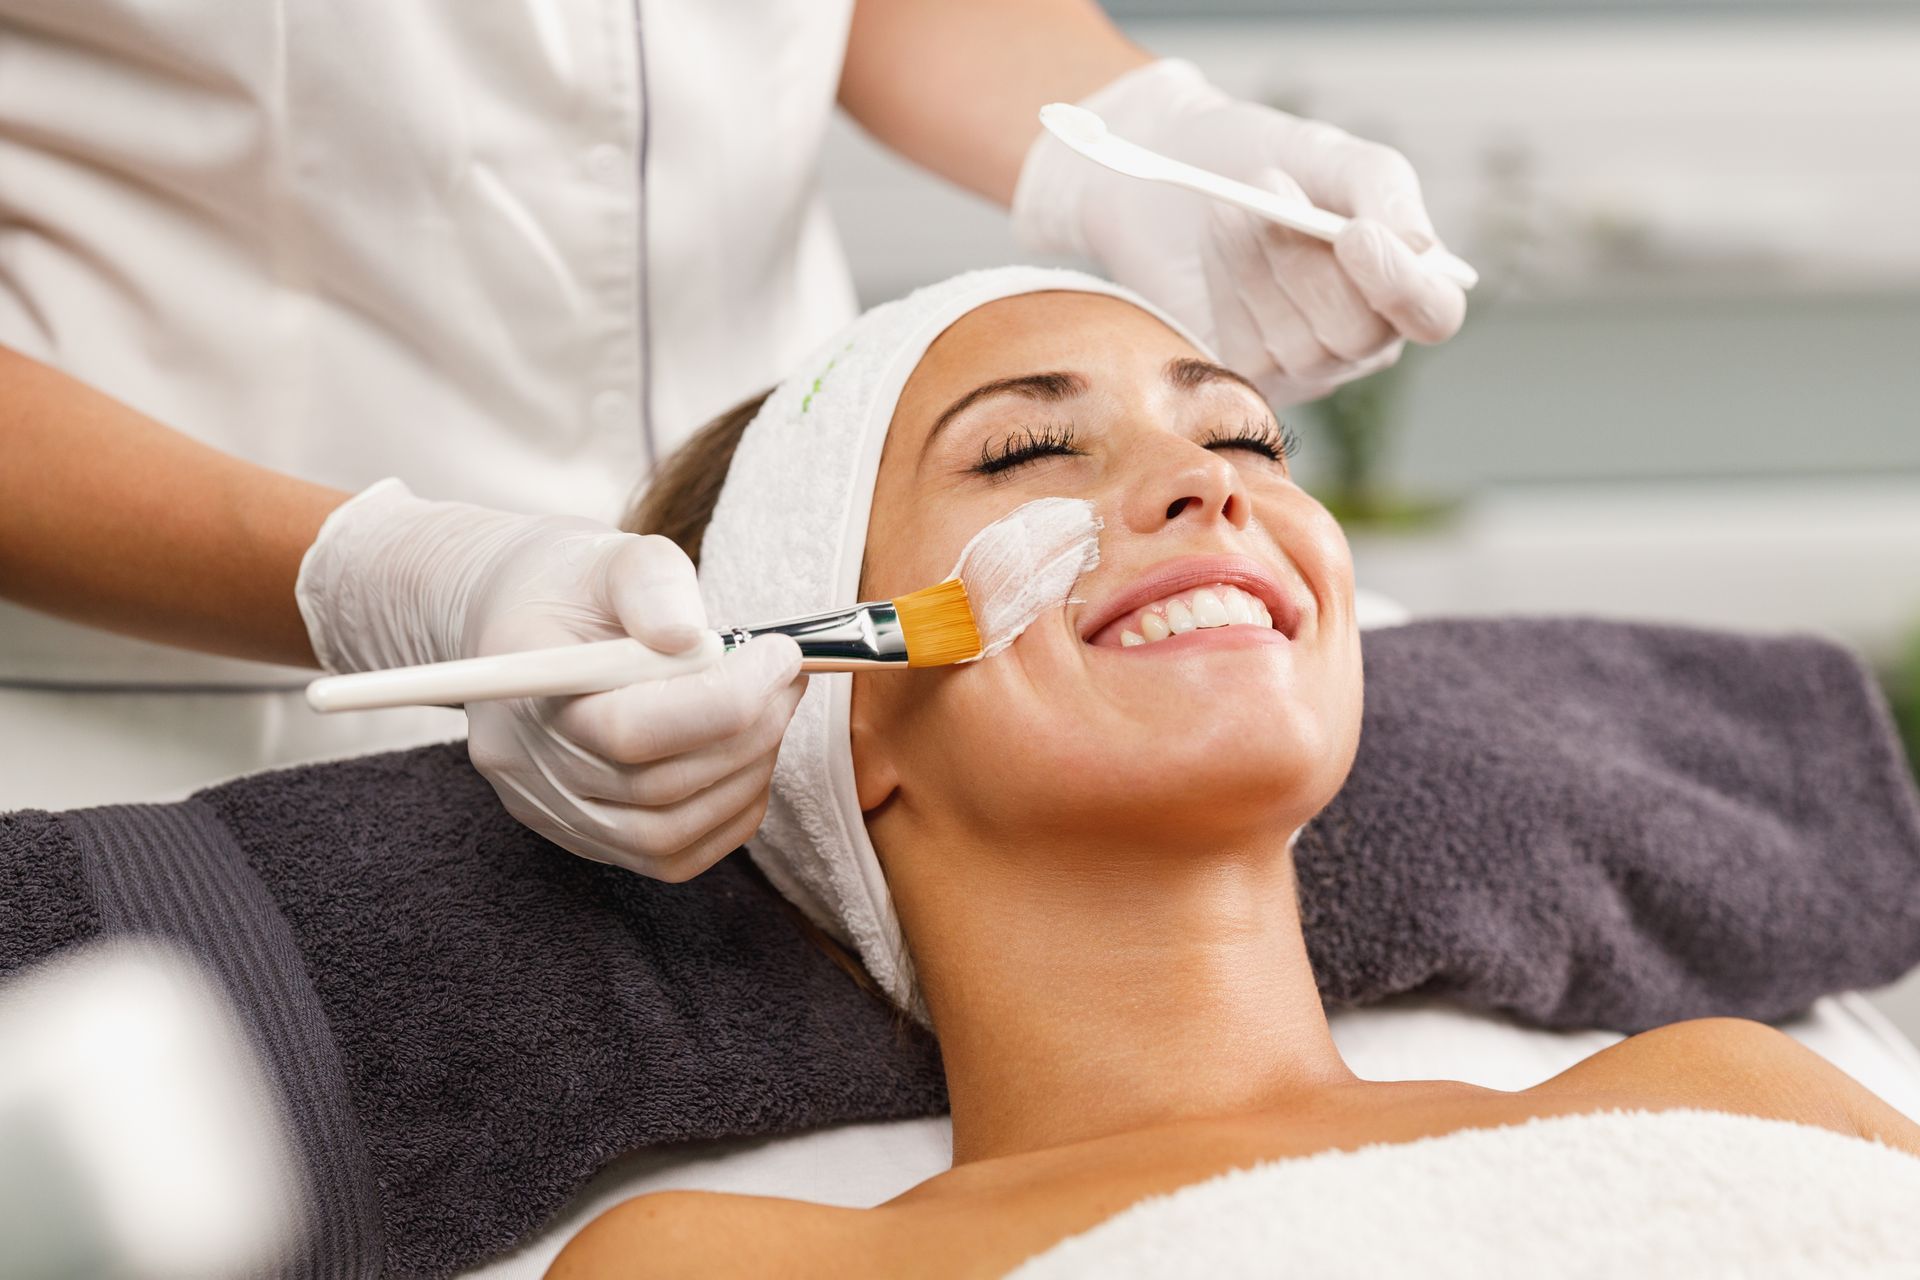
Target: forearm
[111, 519]
[956, 85]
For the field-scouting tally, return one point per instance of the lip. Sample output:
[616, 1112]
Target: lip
[1170, 576]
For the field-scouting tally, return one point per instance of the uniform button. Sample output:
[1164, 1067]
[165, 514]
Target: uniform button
[612, 411]
[607, 163]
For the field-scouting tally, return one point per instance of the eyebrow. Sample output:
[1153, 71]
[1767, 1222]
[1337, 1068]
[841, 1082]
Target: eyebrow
[1183, 372]
[1048, 388]
[1189, 374]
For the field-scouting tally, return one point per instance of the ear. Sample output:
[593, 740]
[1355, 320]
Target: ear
[875, 775]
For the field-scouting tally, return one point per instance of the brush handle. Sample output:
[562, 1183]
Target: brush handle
[861, 637]
[535, 673]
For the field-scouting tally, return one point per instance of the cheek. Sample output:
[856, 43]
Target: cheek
[1311, 540]
[1026, 742]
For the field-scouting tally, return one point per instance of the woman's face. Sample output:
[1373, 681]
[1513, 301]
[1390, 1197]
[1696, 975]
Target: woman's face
[1231, 732]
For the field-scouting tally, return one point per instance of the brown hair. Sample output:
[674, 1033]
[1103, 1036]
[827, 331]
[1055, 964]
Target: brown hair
[677, 503]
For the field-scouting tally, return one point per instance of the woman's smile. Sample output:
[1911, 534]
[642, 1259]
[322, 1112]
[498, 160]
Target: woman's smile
[1217, 601]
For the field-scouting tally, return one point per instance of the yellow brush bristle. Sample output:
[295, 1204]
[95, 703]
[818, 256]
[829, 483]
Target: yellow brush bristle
[938, 623]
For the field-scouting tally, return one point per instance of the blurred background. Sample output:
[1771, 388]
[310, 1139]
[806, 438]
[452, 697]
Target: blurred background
[1689, 386]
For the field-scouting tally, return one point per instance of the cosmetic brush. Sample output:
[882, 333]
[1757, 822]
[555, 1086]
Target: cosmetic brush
[933, 627]
[1087, 133]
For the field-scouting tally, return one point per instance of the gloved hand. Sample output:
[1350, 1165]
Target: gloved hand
[662, 777]
[1297, 315]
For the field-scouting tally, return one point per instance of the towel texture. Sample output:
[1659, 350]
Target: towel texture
[1680, 1194]
[787, 537]
[464, 1023]
[1578, 822]
[1600, 824]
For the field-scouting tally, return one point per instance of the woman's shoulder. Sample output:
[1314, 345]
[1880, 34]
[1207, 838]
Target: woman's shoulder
[1740, 1066]
[714, 1235]
[1702, 1061]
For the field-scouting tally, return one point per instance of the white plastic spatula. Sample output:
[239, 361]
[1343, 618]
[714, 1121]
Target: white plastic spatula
[1087, 133]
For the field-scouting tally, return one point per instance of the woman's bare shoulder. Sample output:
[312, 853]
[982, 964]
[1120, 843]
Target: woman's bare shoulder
[711, 1234]
[1740, 1066]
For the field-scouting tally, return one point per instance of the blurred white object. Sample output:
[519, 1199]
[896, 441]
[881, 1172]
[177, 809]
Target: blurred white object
[138, 1135]
[1298, 317]
[1088, 134]
[1372, 609]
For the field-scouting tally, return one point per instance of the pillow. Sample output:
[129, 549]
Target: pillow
[1602, 824]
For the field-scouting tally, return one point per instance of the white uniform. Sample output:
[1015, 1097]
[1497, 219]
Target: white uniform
[508, 250]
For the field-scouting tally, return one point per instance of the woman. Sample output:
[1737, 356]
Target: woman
[1087, 838]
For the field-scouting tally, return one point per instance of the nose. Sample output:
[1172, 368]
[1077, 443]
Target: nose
[1180, 481]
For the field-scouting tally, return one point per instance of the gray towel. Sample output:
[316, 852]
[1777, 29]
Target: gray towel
[1581, 823]
[464, 1022]
[1598, 824]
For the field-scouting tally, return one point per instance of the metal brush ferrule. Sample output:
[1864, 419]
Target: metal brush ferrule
[850, 639]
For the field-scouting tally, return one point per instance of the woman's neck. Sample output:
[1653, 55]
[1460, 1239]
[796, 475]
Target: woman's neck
[1096, 991]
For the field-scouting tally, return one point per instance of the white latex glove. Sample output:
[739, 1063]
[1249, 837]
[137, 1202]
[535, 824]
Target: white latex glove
[663, 777]
[1297, 315]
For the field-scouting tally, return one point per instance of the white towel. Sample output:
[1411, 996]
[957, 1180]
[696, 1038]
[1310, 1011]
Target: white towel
[1636, 1194]
[787, 537]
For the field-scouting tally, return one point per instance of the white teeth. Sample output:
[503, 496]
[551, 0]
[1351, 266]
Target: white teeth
[1215, 606]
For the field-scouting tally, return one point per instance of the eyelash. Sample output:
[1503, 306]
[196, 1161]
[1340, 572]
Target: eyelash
[1277, 441]
[1025, 445]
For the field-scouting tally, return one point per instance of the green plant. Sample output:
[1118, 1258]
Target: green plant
[1357, 423]
[1903, 694]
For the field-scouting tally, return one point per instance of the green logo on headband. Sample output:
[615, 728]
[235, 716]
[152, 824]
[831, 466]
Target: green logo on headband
[806, 401]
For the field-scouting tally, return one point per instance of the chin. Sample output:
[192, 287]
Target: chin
[1227, 777]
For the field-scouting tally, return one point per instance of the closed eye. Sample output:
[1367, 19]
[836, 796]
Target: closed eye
[1264, 436]
[1026, 445]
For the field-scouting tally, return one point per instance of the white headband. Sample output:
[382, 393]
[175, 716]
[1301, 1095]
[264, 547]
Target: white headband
[787, 537]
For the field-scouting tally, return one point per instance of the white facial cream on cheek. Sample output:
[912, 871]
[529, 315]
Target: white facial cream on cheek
[1026, 563]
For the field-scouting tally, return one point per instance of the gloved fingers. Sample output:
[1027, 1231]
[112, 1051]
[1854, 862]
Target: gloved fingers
[656, 719]
[1306, 269]
[1421, 305]
[671, 842]
[1376, 182]
[651, 587]
[532, 798]
[675, 778]
[1381, 359]
[542, 624]
[671, 781]
[1239, 336]
[678, 841]
[715, 845]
